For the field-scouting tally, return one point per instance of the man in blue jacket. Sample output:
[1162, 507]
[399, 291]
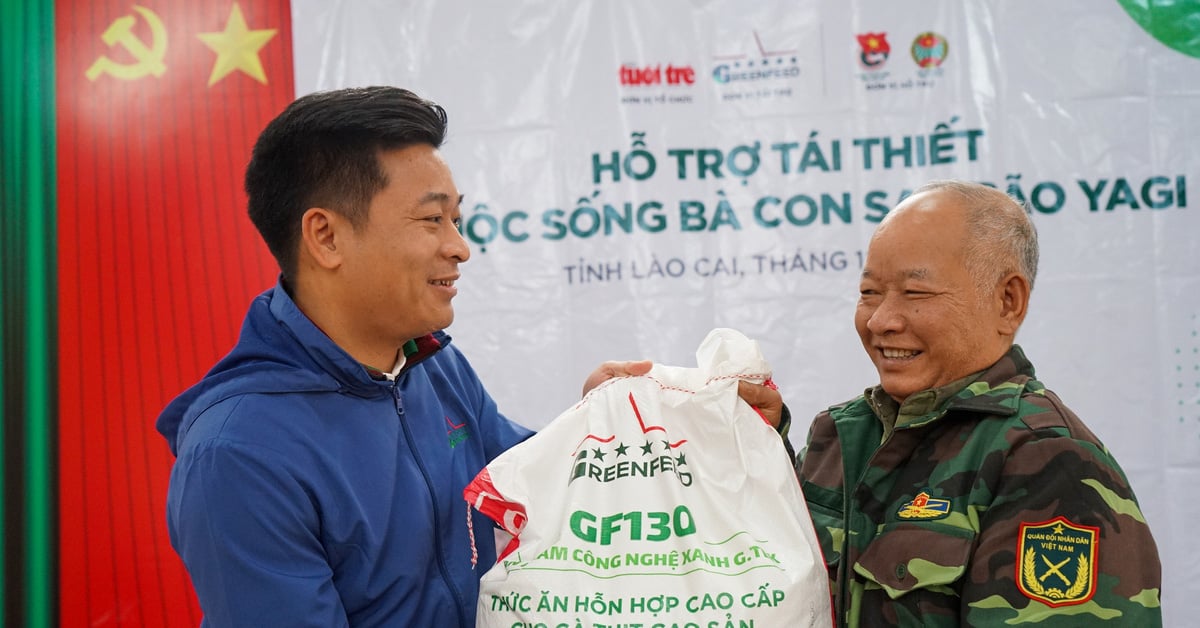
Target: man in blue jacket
[320, 465]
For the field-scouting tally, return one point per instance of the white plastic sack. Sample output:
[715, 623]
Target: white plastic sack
[657, 501]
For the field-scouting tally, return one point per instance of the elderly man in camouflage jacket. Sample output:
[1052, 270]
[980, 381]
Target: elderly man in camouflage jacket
[960, 491]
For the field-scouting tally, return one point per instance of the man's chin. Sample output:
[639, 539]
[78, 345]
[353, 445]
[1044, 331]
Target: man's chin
[441, 322]
[896, 390]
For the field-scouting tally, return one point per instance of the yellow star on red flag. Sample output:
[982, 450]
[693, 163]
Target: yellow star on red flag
[237, 48]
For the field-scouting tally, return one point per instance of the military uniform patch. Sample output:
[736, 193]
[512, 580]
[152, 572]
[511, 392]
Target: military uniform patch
[1056, 561]
[924, 507]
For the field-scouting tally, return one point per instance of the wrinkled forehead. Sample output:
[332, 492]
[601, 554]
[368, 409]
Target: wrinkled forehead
[917, 249]
[937, 204]
[930, 216]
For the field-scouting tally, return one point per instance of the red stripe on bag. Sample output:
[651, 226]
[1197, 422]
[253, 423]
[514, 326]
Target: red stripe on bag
[482, 494]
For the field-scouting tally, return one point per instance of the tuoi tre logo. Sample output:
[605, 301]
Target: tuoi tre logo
[632, 75]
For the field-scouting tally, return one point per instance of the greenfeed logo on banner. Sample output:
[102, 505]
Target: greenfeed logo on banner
[1172, 23]
[766, 65]
[762, 73]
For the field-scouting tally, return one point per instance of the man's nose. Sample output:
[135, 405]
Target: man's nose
[887, 317]
[455, 245]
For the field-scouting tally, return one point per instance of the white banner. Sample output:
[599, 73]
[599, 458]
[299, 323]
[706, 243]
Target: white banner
[639, 173]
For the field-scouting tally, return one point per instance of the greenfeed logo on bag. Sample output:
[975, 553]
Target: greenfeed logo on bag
[646, 457]
[605, 464]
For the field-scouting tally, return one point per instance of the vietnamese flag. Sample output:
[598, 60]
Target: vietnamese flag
[129, 263]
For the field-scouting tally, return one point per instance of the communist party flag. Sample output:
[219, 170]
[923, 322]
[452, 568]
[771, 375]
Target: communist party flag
[158, 103]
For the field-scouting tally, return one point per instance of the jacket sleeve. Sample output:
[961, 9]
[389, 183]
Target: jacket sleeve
[248, 534]
[819, 469]
[1063, 543]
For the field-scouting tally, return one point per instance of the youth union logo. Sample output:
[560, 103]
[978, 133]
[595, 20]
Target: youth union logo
[874, 50]
[929, 50]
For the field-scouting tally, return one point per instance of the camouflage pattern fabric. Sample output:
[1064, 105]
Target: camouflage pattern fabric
[998, 508]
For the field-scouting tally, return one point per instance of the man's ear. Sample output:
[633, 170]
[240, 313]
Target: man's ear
[1013, 292]
[322, 237]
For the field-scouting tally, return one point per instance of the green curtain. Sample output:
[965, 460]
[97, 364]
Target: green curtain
[27, 312]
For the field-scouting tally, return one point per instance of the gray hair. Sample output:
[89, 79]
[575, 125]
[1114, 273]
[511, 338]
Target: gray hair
[1002, 238]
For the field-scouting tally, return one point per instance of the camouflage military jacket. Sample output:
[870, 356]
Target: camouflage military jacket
[997, 508]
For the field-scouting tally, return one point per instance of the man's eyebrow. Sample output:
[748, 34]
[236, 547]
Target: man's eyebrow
[439, 198]
[916, 273]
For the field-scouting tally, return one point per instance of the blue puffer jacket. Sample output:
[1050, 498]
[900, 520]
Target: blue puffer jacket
[307, 493]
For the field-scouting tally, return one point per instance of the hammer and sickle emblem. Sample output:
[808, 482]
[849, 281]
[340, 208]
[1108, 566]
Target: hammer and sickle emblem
[149, 58]
[1054, 569]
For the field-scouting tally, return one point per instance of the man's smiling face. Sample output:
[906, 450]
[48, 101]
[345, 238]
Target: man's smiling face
[403, 260]
[920, 316]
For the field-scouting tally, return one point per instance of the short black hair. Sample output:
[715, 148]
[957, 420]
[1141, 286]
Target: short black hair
[323, 151]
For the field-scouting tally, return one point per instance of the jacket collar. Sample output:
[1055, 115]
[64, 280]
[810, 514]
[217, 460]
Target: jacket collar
[351, 375]
[991, 391]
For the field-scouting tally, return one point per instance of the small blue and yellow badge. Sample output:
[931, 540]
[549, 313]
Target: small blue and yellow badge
[924, 507]
[1056, 561]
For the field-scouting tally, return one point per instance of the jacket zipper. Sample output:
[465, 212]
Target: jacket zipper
[437, 526]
